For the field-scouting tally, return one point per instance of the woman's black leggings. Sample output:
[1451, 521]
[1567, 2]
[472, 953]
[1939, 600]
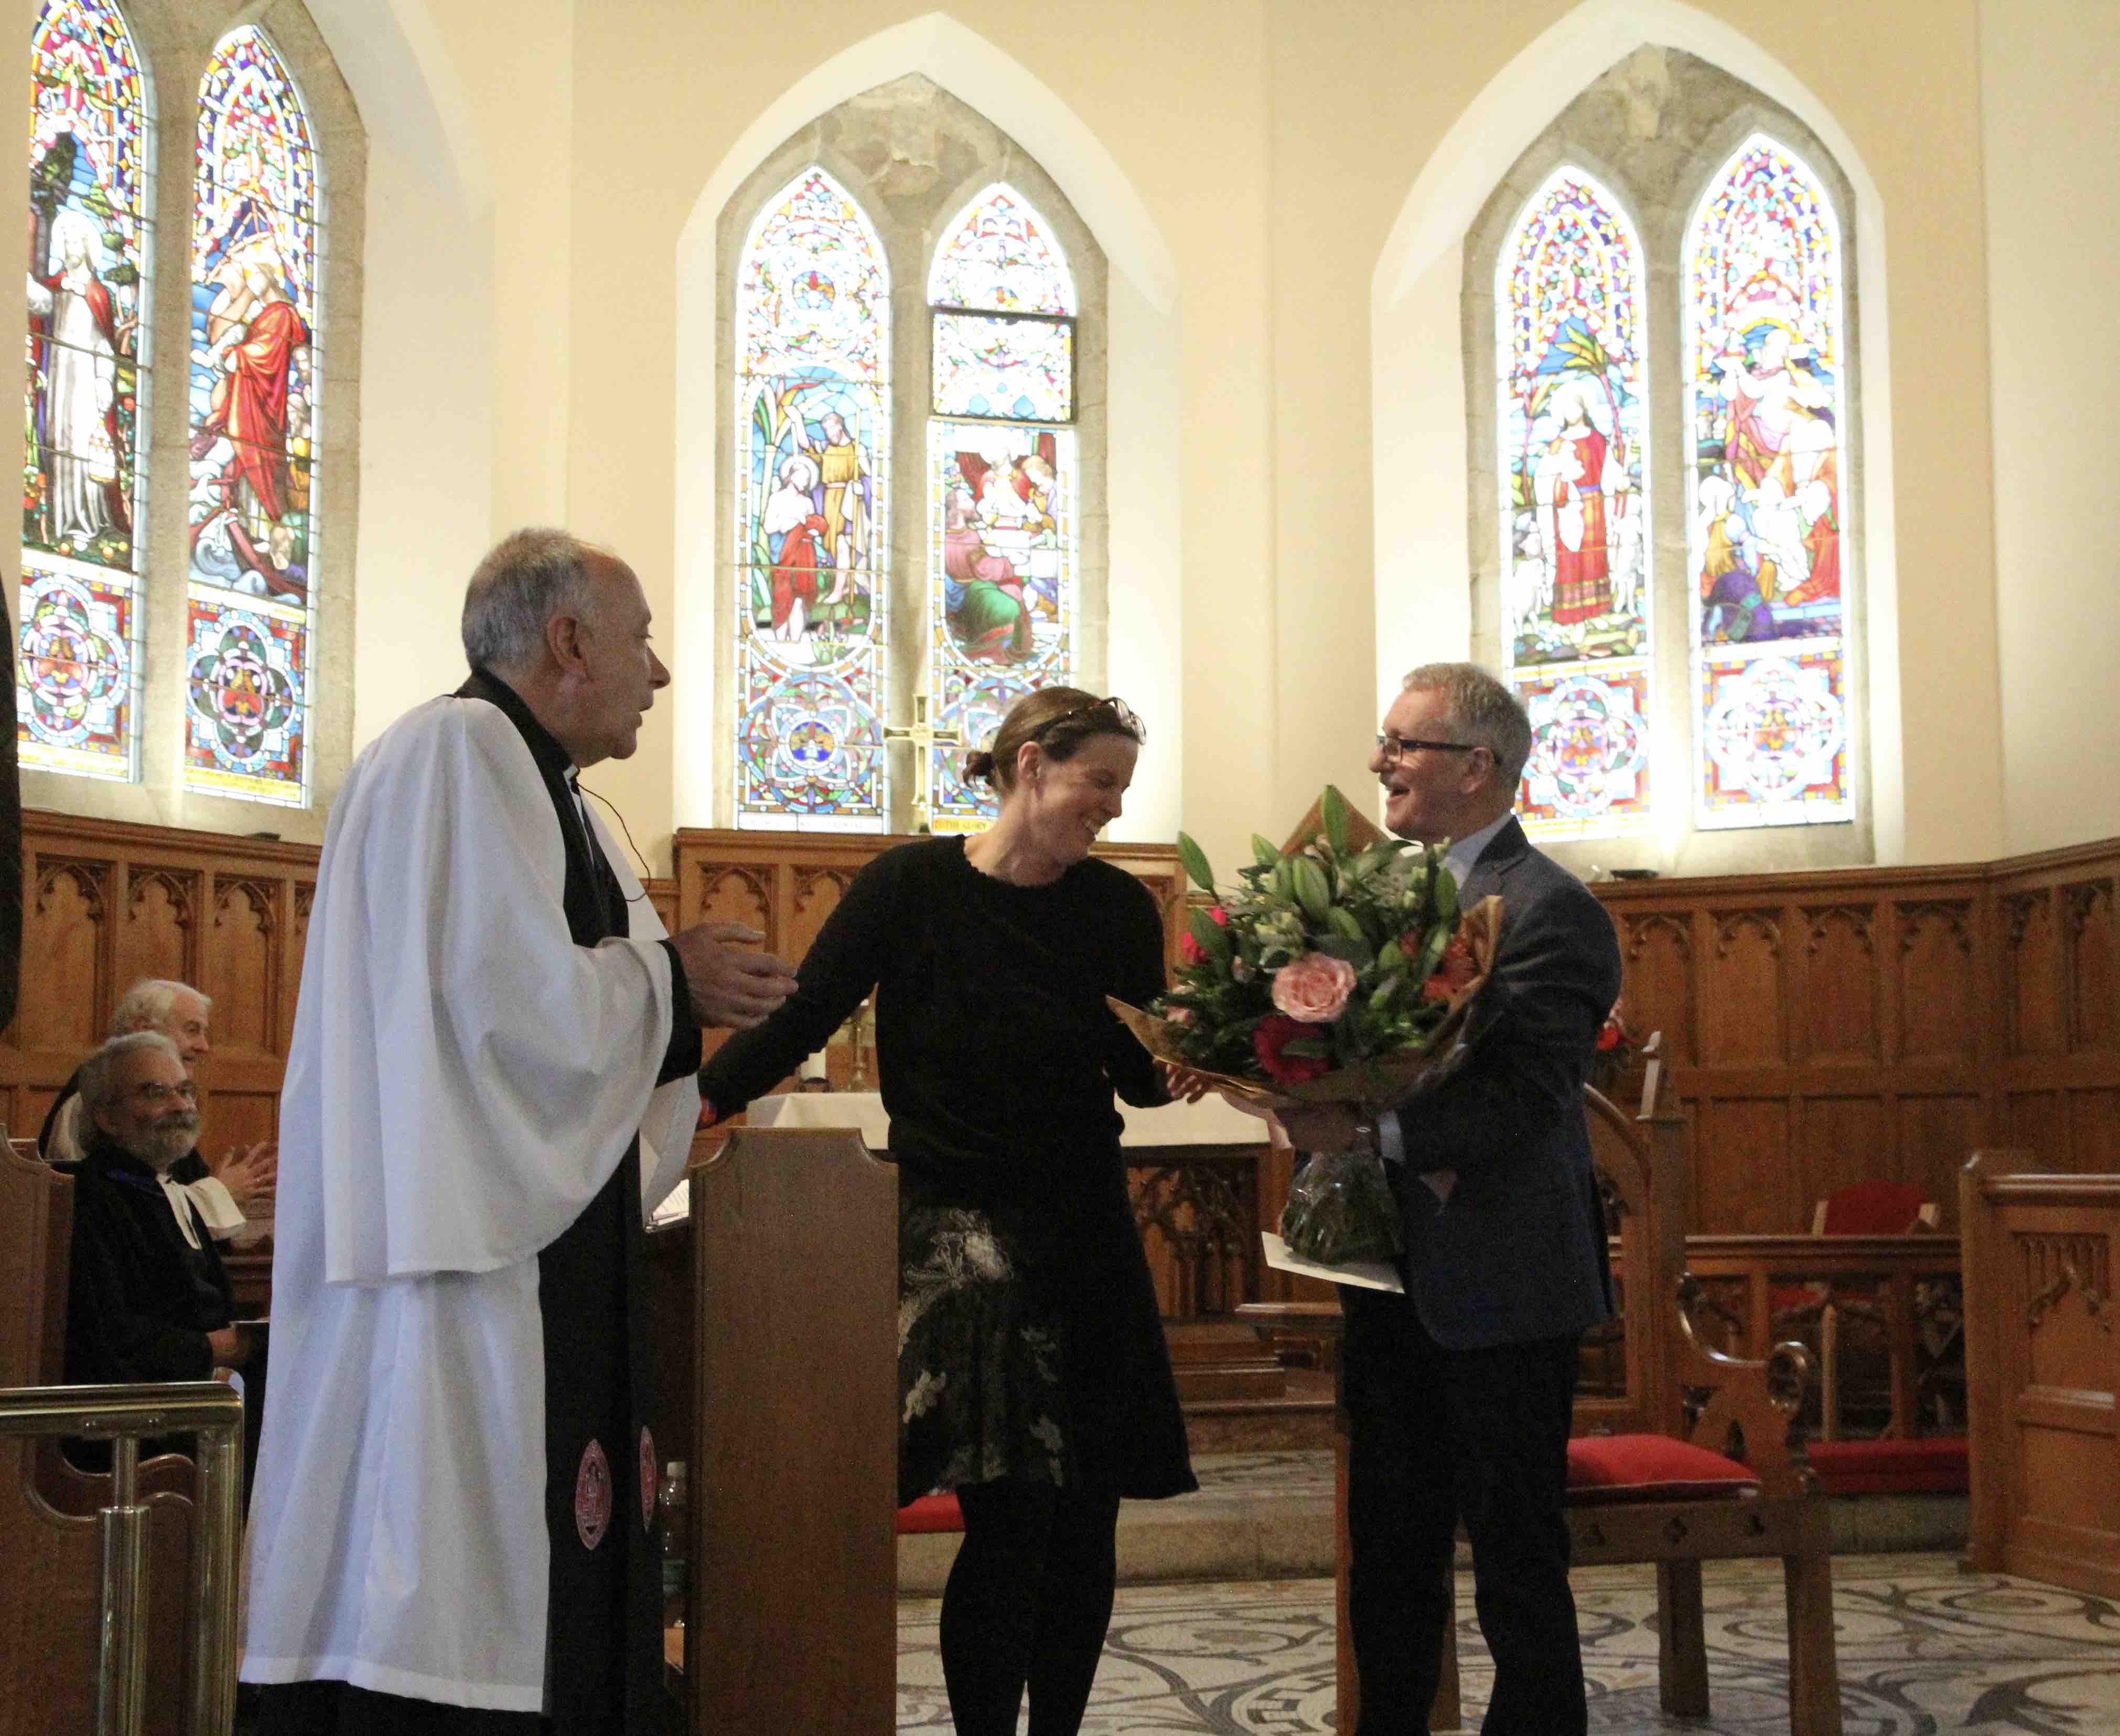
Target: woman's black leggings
[1027, 1604]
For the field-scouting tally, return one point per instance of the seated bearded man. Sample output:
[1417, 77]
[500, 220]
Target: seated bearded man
[147, 1298]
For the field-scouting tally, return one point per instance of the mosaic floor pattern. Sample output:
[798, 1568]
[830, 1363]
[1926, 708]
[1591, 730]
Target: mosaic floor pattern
[1924, 1651]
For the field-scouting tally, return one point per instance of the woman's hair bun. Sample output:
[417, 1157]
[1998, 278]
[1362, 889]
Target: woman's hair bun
[980, 763]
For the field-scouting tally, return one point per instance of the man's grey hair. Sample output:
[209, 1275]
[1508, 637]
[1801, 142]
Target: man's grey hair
[148, 1003]
[98, 1073]
[529, 576]
[1481, 712]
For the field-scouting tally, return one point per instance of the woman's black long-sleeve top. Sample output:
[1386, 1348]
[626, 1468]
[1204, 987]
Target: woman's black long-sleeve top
[997, 1054]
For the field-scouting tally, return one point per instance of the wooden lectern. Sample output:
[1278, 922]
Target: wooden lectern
[791, 1616]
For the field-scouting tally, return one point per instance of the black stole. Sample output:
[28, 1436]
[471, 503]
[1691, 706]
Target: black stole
[604, 1634]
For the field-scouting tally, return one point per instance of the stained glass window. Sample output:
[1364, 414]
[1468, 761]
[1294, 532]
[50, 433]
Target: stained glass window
[1572, 424]
[1002, 480]
[256, 366]
[1766, 408]
[91, 132]
[813, 422]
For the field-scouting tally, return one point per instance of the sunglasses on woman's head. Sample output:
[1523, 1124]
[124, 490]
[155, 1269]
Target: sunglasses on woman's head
[1114, 706]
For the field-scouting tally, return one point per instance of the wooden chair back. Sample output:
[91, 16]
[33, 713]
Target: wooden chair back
[1641, 1174]
[50, 1539]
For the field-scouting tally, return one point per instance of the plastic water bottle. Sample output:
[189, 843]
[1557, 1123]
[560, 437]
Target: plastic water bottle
[673, 1503]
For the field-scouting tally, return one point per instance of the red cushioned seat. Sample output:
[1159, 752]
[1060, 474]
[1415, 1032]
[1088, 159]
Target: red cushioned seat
[1650, 1468]
[930, 1513]
[1933, 1466]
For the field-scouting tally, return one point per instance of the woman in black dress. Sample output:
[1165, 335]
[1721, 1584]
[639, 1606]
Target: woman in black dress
[1033, 1376]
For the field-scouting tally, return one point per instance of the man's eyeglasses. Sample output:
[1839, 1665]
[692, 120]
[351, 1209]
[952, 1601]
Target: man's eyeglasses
[1114, 707]
[1395, 748]
[156, 1095]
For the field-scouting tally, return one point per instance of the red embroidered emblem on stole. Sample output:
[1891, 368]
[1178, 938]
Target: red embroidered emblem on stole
[592, 1496]
[648, 1483]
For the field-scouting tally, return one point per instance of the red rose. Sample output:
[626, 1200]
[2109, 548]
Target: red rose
[1612, 1033]
[1189, 950]
[1456, 969]
[1273, 1035]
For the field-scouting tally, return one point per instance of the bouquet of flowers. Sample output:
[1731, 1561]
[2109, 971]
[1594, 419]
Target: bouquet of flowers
[1331, 974]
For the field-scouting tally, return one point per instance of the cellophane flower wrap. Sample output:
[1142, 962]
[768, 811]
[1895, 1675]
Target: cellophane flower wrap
[1330, 974]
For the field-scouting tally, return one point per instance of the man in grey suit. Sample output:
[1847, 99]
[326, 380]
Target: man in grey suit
[1458, 1393]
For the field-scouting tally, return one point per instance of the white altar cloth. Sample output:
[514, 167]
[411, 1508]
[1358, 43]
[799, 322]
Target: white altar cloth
[1211, 1121]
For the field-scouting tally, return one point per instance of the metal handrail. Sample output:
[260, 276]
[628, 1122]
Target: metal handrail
[121, 1415]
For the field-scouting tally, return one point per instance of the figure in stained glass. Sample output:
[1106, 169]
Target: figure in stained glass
[89, 130]
[1763, 333]
[813, 340]
[1571, 430]
[253, 371]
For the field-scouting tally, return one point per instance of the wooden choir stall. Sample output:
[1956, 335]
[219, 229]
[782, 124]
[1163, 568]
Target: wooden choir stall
[2043, 1365]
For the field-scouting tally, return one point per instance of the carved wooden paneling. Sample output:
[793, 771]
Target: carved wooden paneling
[2094, 1132]
[1839, 1007]
[110, 903]
[1744, 1005]
[1658, 950]
[733, 892]
[817, 892]
[66, 953]
[2032, 973]
[158, 935]
[1829, 1128]
[1935, 1133]
[1940, 1011]
[241, 970]
[2093, 983]
[1741, 1154]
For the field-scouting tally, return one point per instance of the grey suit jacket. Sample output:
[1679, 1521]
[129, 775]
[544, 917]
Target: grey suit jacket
[1504, 1241]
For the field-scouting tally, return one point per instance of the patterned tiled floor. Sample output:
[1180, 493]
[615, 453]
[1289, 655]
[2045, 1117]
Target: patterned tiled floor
[1924, 1651]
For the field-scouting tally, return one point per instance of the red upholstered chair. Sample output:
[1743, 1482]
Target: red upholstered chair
[930, 1513]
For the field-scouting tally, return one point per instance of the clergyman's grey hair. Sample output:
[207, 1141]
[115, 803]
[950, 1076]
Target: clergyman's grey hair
[98, 1073]
[145, 1006]
[1483, 712]
[529, 576]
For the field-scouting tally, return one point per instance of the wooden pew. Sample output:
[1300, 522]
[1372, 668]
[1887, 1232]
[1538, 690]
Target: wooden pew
[2043, 1371]
[51, 1552]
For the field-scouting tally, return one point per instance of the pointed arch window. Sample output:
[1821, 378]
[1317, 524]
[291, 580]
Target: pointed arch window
[92, 166]
[255, 371]
[1572, 426]
[1766, 409]
[1002, 480]
[813, 433]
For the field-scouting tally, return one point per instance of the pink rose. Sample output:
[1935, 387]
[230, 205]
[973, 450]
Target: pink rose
[1314, 989]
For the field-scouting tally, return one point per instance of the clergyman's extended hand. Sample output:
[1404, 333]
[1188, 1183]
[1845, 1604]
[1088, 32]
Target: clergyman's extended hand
[247, 1174]
[731, 984]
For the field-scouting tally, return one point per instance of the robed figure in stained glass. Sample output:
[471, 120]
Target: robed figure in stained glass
[77, 338]
[794, 529]
[983, 595]
[1580, 484]
[255, 340]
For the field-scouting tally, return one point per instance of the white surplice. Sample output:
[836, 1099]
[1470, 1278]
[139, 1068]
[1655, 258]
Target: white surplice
[462, 1081]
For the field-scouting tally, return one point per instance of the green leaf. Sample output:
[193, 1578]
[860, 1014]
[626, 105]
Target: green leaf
[1431, 952]
[1446, 898]
[1284, 880]
[1210, 937]
[1312, 891]
[1195, 859]
[1332, 811]
[1264, 850]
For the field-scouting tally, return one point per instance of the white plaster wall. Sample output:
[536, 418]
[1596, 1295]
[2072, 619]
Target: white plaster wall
[2050, 105]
